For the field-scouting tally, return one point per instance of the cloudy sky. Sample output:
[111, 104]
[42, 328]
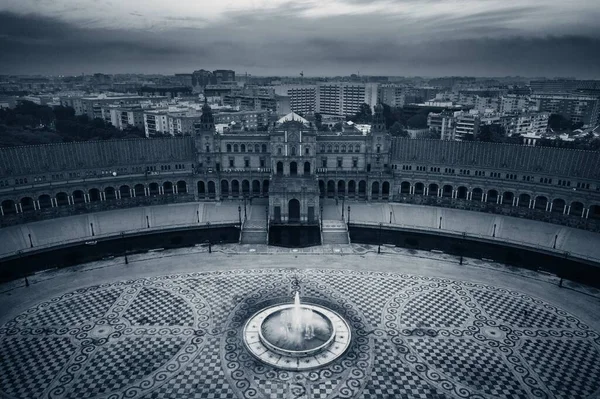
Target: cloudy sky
[320, 37]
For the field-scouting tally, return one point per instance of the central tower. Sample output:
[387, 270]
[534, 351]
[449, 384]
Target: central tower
[294, 191]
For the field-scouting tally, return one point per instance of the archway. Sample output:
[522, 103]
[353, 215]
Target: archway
[447, 191]
[201, 188]
[507, 197]
[294, 211]
[321, 188]
[125, 192]
[594, 212]
[405, 187]
[577, 208]
[375, 189]
[341, 188]
[293, 168]
[265, 188]
[212, 189]
[558, 205]
[461, 192]
[492, 196]
[181, 187]
[235, 188]
[63, 199]
[385, 189]
[351, 188]
[224, 187]
[279, 169]
[245, 188]
[419, 188]
[94, 195]
[153, 189]
[477, 194]
[168, 187]
[330, 188]
[46, 202]
[541, 203]
[433, 190]
[255, 187]
[8, 207]
[109, 193]
[78, 197]
[306, 168]
[362, 188]
[139, 190]
[524, 200]
[27, 204]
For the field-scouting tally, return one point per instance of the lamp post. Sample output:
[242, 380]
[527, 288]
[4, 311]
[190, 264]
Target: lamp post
[240, 215]
[124, 247]
[494, 234]
[348, 215]
[321, 217]
[245, 214]
[390, 217]
[440, 223]
[379, 246]
[343, 199]
[267, 216]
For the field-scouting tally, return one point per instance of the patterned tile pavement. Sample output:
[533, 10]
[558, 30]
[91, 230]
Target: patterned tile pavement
[179, 336]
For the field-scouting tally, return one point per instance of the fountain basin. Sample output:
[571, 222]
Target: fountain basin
[267, 342]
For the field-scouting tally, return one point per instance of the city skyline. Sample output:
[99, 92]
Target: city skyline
[402, 38]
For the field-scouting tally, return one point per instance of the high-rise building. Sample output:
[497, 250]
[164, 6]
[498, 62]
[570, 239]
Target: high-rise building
[534, 123]
[345, 98]
[302, 98]
[576, 108]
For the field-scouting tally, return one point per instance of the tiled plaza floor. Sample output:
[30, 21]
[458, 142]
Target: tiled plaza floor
[169, 326]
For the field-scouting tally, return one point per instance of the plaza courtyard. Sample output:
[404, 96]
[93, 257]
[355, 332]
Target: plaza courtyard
[169, 325]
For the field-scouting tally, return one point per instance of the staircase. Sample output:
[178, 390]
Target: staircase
[255, 227]
[335, 230]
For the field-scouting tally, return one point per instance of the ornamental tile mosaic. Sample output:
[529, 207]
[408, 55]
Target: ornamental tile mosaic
[180, 336]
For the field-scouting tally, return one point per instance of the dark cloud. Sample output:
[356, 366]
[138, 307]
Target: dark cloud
[276, 42]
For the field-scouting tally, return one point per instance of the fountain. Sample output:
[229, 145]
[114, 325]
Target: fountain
[296, 336]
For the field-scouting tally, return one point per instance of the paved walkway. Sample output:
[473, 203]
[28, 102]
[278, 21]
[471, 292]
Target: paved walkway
[169, 324]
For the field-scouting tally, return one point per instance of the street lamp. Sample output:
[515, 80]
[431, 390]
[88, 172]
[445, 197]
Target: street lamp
[321, 217]
[240, 215]
[379, 247]
[348, 215]
[343, 199]
[245, 214]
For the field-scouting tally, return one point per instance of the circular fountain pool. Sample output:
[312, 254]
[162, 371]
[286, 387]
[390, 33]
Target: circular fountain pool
[296, 336]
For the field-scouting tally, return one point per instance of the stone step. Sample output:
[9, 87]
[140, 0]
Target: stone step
[254, 237]
[335, 237]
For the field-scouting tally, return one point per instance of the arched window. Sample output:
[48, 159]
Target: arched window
[329, 148]
[228, 147]
[378, 148]
[357, 148]
[249, 147]
[243, 147]
[307, 151]
[257, 148]
[264, 148]
[236, 148]
[293, 151]
[322, 147]
[337, 148]
[343, 148]
[278, 150]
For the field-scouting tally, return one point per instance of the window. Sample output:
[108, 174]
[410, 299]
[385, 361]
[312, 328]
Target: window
[495, 174]
[378, 148]
[279, 151]
[264, 148]
[231, 162]
[243, 148]
[307, 151]
[322, 147]
[355, 162]
[207, 148]
[434, 169]
[246, 163]
[357, 148]
[479, 173]
[262, 162]
[339, 162]
[329, 148]
[228, 147]
[422, 168]
[293, 151]
[235, 148]
[324, 162]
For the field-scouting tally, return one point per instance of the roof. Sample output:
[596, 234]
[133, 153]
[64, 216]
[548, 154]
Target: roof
[292, 116]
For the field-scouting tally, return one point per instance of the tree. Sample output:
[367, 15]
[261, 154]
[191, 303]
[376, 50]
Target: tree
[318, 120]
[364, 114]
[493, 133]
[557, 122]
[397, 130]
[337, 127]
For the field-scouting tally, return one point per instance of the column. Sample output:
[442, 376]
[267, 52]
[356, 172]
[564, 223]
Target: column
[587, 213]
[565, 210]
[484, 197]
[161, 190]
[469, 195]
[1, 211]
[131, 192]
[426, 191]
[499, 199]
[38, 204]
[35, 205]
[102, 196]
[548, 206]
[16, 207]
[530, 202]
[454, 193]
[146, 191]
[516, 203]
[21, 207]
[71, 201]
[176, 191]
[53, 202]
[118, 192]
[439, 192]
[86, 198]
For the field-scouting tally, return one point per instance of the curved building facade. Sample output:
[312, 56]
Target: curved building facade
[295, 167]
